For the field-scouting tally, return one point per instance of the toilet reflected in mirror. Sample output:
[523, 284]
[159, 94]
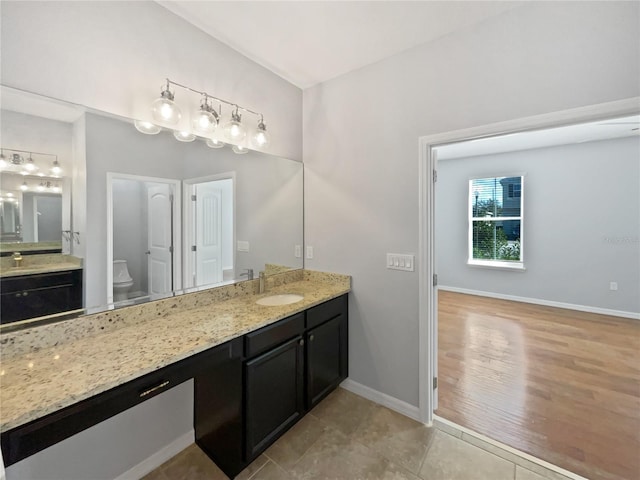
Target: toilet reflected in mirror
[122, 281]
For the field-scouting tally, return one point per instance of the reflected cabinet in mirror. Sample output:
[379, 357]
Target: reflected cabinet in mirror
[151, 217]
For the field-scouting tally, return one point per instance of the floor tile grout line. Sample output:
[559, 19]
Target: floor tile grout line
[263, 465]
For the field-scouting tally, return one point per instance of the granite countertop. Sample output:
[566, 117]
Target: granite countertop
[33, 269]
[35, 384]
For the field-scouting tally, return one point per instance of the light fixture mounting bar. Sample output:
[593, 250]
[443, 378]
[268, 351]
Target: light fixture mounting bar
[15, 150]
[218, 99]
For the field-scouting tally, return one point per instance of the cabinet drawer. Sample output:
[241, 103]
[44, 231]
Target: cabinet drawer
[41, 280]
[272, 335]
[326, 311]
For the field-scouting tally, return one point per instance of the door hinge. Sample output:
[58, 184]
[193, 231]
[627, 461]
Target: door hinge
[193, 198]
[435, 176]
[171, 249]
[435, 382]
[435, 279]
[171, 198]
[193, 248]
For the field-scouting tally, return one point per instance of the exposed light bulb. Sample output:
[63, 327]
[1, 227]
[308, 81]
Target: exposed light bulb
[30, 165]
[3, 161]
[214, 143]
[56, 189]
[40, 187]
[261, 138]
[40, 174]
[184, 136]
[205, 119]
[233, 129]
[145, 127]
[24, 187]
[9, 194]
[239, 149]
[164, 110]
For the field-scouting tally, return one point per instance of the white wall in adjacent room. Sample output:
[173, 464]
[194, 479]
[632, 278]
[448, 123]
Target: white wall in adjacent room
[581, 225]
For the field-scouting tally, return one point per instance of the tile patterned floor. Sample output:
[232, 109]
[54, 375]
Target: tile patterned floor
[347, 437]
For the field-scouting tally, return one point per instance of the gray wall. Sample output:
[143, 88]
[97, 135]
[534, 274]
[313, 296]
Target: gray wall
[581, 224]
[361, 152]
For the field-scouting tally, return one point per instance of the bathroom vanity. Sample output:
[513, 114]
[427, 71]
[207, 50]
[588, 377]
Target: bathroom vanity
[42, 285]
[257, 369]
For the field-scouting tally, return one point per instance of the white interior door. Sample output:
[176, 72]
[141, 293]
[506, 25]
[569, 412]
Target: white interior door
[160, 235]
[208, 254]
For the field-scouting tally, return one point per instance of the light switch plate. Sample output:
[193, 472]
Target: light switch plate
[297, 251]
[309, 251]
[401, 261]
[243, 246]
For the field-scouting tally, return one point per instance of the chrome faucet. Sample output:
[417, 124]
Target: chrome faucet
[17, 259]
[261, 286]
[248, 274]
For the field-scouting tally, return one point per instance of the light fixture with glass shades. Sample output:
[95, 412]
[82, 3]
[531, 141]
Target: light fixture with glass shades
[164, 110]
[28, 163]
[204, 120]
[239, 149]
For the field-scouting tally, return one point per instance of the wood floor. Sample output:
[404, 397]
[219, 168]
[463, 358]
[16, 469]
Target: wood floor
[559, 384]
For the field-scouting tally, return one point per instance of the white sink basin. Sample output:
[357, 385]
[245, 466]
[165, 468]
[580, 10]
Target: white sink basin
[277, 300]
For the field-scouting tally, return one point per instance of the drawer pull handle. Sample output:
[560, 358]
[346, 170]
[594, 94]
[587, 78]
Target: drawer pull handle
[153, 389]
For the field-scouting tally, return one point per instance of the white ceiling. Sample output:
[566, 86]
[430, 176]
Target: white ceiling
[309, 42]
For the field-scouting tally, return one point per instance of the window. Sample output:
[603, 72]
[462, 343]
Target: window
[495, 222]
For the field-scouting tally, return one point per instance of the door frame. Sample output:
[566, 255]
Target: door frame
[427, 300]
[177, 226]
[188, 214]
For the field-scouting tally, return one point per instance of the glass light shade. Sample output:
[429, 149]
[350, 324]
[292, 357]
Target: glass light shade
[204, 122]
[3, 162]
[234, 130]
[56, 169]
[147, 128]
[40, 187]
[261, 138]
[214, 143]
[239, 149]
[30, 165]
[9, 194]
[24, 187]
[164, 110]
[184, 136]
[57, 189]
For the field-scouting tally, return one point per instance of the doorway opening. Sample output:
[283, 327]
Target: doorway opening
[488, 329]
[144, 235]
[209, 229]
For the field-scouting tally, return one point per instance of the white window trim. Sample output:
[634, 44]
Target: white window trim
[496, 264]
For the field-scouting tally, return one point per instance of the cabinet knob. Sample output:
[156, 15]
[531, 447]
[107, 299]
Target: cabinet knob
[18, 294]
[301, 342]
[311, 338]
[24, 294]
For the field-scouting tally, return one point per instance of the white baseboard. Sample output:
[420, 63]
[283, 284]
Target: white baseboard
[548, 303]
[383, 399]
[154, 461]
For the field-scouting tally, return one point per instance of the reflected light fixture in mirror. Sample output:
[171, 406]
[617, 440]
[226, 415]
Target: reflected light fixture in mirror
[214, 143]
[56, 169]
[164, 109]
[239, 149]
[147, 128]
[184, 136]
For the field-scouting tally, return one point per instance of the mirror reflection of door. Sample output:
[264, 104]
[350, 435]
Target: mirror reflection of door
[143, 232]
[48, 218]
[160, 238]
[210, 230]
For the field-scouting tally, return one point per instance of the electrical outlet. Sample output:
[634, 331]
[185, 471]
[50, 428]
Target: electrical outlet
[297, 251]
[613, 286]
[309, 251]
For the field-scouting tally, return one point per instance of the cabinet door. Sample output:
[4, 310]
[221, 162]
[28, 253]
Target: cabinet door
[326, 358]
[274, 394]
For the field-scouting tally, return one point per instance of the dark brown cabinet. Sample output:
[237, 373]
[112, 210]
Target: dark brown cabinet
[327, 358]
[31, 296]
[274, 394]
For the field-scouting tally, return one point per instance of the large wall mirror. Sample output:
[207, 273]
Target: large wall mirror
[150, 216]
